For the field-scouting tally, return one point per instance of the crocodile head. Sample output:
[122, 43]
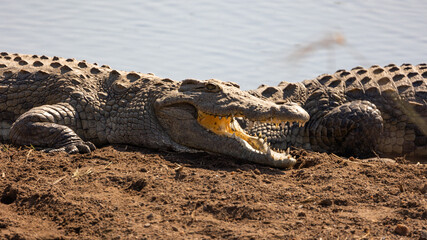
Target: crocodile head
[203, 115]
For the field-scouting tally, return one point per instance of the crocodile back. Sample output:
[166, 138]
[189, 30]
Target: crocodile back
[28, 81]
[407, 81]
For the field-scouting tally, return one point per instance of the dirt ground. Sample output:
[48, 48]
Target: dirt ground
[121, 192]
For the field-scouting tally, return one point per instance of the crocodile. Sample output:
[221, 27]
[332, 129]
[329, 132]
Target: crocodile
[60, 104]
[364, 112]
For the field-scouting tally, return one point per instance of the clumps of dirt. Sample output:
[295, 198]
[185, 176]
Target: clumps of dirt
[122, 192]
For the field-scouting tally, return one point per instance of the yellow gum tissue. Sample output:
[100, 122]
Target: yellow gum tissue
[219, 126]
[214, 124]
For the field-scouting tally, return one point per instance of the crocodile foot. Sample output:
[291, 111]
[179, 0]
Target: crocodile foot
[50, 127]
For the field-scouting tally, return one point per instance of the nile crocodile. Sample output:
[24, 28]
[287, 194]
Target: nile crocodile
[361, 112]
[70, 105]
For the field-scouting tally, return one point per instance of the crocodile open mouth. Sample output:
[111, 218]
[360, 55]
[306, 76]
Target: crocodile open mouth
[229, 126]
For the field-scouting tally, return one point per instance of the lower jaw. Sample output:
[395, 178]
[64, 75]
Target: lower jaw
[269, 157]
[270, 160]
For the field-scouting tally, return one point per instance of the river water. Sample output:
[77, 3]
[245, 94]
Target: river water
[248, 42]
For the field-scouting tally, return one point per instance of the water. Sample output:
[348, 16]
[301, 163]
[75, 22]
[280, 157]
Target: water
[248, 42]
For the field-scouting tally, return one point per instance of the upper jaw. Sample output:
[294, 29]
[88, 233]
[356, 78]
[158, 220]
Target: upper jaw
[265, 111]
[242, 104]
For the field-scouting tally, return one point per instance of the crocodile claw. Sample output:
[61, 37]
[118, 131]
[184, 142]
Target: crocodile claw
[75, 147]
[80, 147]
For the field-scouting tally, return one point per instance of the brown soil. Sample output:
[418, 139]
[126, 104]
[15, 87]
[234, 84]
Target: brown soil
[121, 192]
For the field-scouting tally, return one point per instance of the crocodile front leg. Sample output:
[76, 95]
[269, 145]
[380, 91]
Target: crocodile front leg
[50, 126]
[349, 129]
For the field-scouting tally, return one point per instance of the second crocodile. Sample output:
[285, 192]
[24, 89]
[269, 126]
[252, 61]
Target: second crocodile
[361, 112]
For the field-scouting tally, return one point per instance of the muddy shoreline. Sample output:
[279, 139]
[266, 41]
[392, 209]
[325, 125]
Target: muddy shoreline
[121, 192]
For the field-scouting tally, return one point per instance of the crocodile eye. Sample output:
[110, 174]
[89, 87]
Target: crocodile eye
[211, 87]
